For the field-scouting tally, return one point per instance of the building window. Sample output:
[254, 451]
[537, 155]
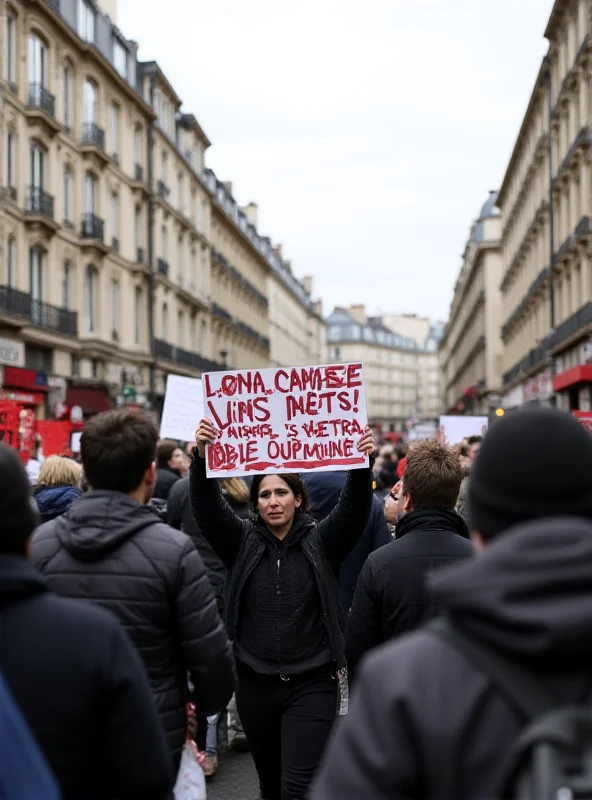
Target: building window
[87, 21]
[180, 270]
[202, 337]
[67, 90]
[192, 284]
[38, 358]
[181, 328]
[37, 167]
[138, 316]
[119, 57]
[10, 49]
[67, 286]
[192, 333]
[36, 273]
[114, 131]
[115, 216]
[11, 263]
[90, 102]
[37, 62]
[90, 299]
[165, 322]
[163, 167]
[181, 197]
[67, 195]
[164, 241]
[10, 159]
[90, 193]
[138, 227]
[115, 308]
[138, 146]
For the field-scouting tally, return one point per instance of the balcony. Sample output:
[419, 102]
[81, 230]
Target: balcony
[39, 209]
[139, 172]
[39, 202]
[163, 267]
[162, 189]
[222, 313]
[93, 227]
[533, 359]
[40, 98]
[140, 255]
[41, 315]
[92, 143]
[578, 322]
[41, 108]
[12, 193]
[184, 358]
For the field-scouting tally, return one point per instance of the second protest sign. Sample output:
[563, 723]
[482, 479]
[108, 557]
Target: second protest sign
[286, 420]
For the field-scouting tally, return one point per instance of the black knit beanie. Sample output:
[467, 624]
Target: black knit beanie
[534, 463]
[18, 517]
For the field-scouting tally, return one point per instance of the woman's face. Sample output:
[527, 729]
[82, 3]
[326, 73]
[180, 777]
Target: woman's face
[177, 460]
[276, 502]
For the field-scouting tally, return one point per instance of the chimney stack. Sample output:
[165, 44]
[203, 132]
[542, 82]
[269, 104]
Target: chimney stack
[228, 186]
[358, 313]
[278, 251]
[250, 212]
[307, 283]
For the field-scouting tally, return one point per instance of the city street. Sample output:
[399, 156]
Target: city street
[236, 779]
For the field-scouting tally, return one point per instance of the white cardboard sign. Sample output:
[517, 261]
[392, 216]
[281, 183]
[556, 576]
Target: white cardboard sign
[286, 420]
[183, 408]
[454, 429]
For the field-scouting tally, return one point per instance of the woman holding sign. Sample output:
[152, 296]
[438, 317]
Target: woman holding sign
[282, 611]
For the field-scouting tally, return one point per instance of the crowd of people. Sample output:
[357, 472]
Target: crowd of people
[445, 589]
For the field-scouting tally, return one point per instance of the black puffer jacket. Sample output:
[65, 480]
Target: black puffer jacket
[391, 597]
[246, 546]
[424, 721]
[110, 549]
[166, 478]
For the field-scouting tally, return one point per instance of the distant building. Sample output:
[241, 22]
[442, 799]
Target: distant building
[471, 345]
[398, 370]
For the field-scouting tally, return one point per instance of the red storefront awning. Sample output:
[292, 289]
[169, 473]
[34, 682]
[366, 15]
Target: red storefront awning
[571, 377]
[91, 400]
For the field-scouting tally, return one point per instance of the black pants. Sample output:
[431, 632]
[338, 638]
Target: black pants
[287, 724]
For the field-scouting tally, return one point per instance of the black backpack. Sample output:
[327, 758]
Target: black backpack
[552, 757]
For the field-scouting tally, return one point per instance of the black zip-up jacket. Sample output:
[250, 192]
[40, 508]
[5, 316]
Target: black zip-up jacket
[110, 549]
[247, 547]
[391, 597]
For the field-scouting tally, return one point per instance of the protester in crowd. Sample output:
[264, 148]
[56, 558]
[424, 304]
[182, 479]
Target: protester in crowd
[426, 721]
[391, 509]
[324, 490]
[73, 672]
[402, 460]
[58, 485]
[391, 596]
[180, 516]
[170, 460]
[110, 547]
[473, 445]
[35, 460]
[387, 475]
[282, 611]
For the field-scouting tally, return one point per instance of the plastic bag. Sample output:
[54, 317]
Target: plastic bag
[191, 781]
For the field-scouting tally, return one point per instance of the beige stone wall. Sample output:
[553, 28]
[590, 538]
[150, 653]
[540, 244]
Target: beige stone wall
[470, 351]
[49, 249]
[524, 201]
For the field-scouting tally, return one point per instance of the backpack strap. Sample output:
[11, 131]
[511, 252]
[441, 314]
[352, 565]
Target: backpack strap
[519, 686]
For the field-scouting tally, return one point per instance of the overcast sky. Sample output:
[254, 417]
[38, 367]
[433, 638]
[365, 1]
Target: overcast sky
[368, 133]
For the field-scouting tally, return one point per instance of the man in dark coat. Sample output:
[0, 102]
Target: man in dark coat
[425, 721]
[112, 548]
[324, 489]
[75, 676]
[391, 597]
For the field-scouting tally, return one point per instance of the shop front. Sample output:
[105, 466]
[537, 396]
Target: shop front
[27, 388]
[574, 388]
[91, 397]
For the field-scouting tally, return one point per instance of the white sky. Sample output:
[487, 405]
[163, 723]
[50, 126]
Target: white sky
[368, 133]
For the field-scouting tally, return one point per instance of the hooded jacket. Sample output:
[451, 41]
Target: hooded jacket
[304, 570]
[53, 501]
[82, 689]
[424, 721]
[110, 549]
[391, 597]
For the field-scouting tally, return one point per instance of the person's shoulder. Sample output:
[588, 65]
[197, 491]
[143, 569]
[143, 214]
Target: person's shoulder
[45, 541]
[162, 539]
[179, 487]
